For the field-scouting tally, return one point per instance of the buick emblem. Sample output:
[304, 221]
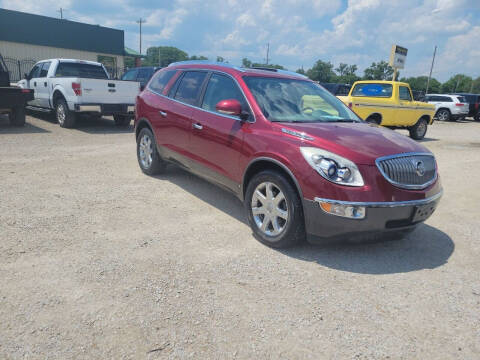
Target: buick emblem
[420, 168]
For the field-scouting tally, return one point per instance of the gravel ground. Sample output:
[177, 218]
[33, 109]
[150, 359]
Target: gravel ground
[98, 261]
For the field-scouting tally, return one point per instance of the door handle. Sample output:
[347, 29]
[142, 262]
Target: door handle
[163, 113]
[34, 83]
[45, 84]
[197, 126]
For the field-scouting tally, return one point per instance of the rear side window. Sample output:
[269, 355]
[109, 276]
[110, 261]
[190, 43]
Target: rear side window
[130, 75]
[445, 99]
[404, 93]
[220, 88]
[44, 70]
[81, 70]
[461, 99]
[189, 88]
[373, 90]
[160, 80]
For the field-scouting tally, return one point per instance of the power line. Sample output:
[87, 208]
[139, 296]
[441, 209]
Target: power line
[140, 22]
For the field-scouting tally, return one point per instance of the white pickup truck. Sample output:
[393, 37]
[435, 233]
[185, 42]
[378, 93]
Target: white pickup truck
[70, 87]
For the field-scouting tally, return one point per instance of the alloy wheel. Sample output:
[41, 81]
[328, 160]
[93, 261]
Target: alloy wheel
[61, 114]
[146, 151]
[269, 208]
[443, 115]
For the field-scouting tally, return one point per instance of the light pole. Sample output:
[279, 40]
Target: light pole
[140, 22]
[431, 69]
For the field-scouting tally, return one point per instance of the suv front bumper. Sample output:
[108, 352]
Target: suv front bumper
[382, 219]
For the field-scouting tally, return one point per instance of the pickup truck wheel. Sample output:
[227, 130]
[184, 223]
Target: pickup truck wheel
[274, 210]
[418, 131]
[121, 120]
[65, 117]
[443, 115]
[147, 154]
[17, 116]
[477, 117]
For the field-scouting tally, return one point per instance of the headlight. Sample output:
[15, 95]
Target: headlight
[332, 167]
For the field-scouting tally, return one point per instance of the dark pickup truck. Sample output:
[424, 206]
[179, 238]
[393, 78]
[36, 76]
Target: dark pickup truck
[12, 98]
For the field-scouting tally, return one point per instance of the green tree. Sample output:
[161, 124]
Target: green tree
[476, 86]
[195, 57]
[379, 71]
[457, 83]
[419, 83]
[163, 56]
[270, 66]
[246, 63]
[346, 73]
[321, 71]
[301, 71]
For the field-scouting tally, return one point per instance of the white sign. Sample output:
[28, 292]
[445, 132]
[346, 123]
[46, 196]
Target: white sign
[398, 57]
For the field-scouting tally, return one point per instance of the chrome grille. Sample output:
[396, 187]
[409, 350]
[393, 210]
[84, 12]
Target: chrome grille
[408, 171]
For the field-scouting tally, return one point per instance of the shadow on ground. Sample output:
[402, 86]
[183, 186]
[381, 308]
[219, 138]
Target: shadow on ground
[87, 124]
[6, 128]
[425, 248]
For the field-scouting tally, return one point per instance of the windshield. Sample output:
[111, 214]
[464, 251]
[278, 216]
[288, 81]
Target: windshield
[291, 100]
[81, 70]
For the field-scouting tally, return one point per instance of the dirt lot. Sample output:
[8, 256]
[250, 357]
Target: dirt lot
[98, 260]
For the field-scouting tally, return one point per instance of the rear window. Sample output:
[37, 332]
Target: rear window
[80, 70]
[373, 90]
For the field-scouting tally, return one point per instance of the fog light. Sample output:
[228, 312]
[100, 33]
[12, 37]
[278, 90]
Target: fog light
[348, 211]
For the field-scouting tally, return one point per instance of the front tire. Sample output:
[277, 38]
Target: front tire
[274, 210]
[147, 154]
[65, 117]
[17, 116]
[418, 131]
[121, 120]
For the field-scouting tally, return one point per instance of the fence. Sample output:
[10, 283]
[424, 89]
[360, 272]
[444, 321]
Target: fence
[18, 68]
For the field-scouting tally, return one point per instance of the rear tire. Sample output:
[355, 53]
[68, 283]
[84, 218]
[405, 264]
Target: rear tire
[122, 120]
[278, 221]
[17, 116]
[443, 115]
[65, 117]
[418, 131]
[147, 154]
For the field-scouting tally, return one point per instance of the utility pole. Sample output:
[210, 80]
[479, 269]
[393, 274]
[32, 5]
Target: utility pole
[431, 69]
[268, 50]
[140, 22]
[61, 13]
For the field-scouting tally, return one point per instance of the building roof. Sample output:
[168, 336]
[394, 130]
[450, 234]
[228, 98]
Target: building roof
[20, 27]
[133, 53]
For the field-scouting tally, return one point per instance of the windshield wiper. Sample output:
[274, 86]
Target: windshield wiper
[344, 120]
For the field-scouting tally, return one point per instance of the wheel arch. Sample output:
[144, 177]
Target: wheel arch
[426, 117]
[141, 124]
[57, 94]
[263, 163]
[375, 115]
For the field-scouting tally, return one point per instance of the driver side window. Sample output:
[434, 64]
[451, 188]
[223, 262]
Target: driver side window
[405, 93]
[35, 72]
[221, 87]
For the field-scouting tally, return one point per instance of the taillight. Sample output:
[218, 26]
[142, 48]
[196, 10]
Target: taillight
[26, 91]
[76, 88]
[460, 104]
[476, 106]
[350, 105]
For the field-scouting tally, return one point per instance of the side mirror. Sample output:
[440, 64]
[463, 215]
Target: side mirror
[229, 107]
[27, 77]
[142, 87]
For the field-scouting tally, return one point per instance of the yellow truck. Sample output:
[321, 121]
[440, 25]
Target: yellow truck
[390, 104]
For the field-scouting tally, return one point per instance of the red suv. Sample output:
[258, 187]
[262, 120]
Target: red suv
[301, 161]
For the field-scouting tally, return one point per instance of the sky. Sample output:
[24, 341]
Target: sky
[299, 32]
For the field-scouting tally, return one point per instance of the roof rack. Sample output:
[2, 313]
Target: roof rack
[206, 62]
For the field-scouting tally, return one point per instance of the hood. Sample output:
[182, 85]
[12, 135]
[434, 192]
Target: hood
[360, 142]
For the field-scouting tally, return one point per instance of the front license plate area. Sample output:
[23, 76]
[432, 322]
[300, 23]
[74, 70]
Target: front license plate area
[423, 212]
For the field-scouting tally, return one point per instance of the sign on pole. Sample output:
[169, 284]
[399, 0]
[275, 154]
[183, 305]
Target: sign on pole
[398, 56]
